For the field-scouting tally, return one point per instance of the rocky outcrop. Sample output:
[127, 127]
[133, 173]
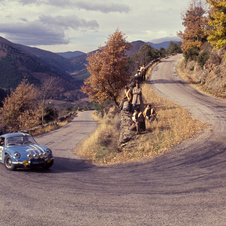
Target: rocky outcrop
[212, 75]
[125, 132]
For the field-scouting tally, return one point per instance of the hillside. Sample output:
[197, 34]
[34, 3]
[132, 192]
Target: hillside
[135, 47]
[17, 62]
[53, 60]
[159, 45]
[80, 73]
[3, 94]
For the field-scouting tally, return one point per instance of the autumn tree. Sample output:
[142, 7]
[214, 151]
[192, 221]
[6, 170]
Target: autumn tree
[194, 21]
[21, 109]
[107, 69]
[217, 23]
[50, 88]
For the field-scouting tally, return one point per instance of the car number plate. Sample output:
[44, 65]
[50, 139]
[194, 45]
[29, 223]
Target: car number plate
[36, 163]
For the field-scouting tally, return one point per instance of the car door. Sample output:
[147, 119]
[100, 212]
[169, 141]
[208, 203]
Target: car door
[2, 144]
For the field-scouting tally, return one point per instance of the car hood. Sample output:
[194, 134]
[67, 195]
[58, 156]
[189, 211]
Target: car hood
[26, 149]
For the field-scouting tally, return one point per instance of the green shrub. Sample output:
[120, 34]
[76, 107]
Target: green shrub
[51, 114]
[202, 58]
[191, 54]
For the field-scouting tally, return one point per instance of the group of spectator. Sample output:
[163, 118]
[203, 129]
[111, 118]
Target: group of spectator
[140, 75]
[139, 118]
[132, 101]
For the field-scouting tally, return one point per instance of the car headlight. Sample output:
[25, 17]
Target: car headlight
[45, 155]
[41, 156]
[29, 156]
[36, 156]
[17, 155]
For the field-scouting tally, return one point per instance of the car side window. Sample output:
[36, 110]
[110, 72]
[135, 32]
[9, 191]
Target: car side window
[2, 141]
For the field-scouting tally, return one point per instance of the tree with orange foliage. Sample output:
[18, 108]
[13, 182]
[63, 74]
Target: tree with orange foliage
[107, 69]
[21, 109]
[194, 35]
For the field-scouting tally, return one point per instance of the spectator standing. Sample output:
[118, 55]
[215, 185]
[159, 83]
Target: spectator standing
[137, 97]
[143, 72]
[127, 97]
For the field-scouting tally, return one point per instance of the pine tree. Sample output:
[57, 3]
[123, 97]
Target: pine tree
[107, 69]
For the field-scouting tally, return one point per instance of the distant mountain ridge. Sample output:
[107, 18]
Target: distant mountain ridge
[18, 61]
[136, 46]
[70, 54]
[159, 45]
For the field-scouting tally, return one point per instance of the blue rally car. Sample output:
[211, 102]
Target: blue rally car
[21, 150]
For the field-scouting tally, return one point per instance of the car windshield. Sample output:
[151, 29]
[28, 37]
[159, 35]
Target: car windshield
[20, 140]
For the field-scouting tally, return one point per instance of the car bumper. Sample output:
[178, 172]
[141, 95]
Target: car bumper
[29, 163]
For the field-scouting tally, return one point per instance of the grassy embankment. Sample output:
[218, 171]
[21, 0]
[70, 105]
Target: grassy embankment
[174, 125]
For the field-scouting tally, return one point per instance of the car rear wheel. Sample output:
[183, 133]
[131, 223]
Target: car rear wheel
[8, 163]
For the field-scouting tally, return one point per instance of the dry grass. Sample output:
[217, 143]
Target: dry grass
[173, 125]
[43, 130]
[101, 145]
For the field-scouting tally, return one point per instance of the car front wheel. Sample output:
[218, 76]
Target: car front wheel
[8, 163]
[48, 165]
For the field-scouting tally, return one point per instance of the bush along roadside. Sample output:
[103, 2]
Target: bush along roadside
[47, 127]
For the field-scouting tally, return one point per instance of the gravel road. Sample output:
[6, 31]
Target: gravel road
[183, 187]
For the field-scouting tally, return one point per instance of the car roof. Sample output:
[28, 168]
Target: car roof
[14, 134]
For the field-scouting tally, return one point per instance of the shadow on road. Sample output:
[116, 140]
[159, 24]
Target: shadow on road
[165, 81]
[61, 165]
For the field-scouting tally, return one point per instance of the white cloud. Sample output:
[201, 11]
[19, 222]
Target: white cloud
[66, 25]
[25, 2]
[33, 34]
[68, 22]
[45, 31]
[102, 6]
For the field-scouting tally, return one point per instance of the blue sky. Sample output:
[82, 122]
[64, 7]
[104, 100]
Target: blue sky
[84, 25]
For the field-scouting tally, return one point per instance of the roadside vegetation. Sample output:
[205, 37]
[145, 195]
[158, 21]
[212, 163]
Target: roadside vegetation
[203, 46]
[25, 109]
[190, 78]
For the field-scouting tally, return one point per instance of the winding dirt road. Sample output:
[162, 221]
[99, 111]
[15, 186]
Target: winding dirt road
[184, 187]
